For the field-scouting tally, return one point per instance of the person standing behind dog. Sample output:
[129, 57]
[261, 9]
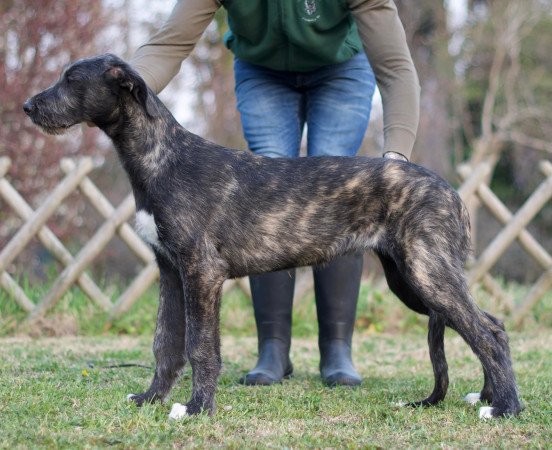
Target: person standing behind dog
[297, 63]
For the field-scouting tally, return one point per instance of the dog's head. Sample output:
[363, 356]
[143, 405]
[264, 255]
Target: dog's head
[94, 90]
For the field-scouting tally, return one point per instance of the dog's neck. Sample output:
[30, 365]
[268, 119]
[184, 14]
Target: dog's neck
[138, 143]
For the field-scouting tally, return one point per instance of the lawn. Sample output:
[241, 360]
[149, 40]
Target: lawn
[66, 385]
[68, 392]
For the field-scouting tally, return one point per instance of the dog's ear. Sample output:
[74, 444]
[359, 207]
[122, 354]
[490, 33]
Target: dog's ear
[125, 78]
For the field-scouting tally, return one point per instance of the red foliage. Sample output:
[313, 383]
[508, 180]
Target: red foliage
[37, 38]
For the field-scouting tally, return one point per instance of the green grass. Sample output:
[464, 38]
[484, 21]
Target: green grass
[378, 311]
[50, 397]
[77, 314]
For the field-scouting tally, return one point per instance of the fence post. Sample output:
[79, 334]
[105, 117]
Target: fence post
[472, 179]
[146, 277]
[529, 209]
[104, 207]
[53, 244]
[94, 246]
[533, 296]
[545, 280]
[5, 164]
[42, 214]
[6, 281]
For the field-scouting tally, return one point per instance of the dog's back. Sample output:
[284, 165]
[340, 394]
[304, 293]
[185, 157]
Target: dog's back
[265, 214]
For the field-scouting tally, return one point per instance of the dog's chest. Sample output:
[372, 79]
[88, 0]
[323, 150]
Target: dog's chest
[147, 229]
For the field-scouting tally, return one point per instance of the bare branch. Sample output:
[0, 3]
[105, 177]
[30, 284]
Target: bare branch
[516, 116]
[528, 141]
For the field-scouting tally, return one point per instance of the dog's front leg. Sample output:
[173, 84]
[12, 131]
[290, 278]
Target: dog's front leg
[169, 345]
[202, 288]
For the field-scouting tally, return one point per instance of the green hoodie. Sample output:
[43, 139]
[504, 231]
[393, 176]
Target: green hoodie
[296, 35]
[379, 28]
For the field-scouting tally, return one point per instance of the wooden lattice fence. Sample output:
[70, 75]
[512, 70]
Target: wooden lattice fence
[116, 218]
[514, 228]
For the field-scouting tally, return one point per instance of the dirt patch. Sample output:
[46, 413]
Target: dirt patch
[54, 326]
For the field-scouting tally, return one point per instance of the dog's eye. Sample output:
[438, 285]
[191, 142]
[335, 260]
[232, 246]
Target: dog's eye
[71, 76]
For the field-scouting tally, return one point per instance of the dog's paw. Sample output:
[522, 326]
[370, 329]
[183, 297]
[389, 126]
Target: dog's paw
[486, 412]
[138, 399]
[400, 404]
[178, 411]
[473, 398]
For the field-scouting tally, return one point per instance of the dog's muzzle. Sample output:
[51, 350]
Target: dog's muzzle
[28, 107]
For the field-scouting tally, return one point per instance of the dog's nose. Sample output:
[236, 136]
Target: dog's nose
[28, 107]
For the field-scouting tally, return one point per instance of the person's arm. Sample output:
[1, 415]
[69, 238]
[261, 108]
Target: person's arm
[384, 41]
[159, 60]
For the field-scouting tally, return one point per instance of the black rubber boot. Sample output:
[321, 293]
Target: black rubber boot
[336, 287]
[273, 302]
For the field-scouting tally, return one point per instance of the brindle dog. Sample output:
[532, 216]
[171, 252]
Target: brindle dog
[211, 213]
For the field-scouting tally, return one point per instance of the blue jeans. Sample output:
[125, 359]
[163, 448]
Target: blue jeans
[334, 102]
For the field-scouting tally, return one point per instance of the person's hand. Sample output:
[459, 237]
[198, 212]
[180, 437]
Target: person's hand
[395, 155]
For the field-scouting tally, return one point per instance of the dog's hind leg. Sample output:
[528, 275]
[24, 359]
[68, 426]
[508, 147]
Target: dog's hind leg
[399, 286]
[442, 287]
[490, 343]
[436, 341]
[436, 332]
[486, 394]
[169, 345]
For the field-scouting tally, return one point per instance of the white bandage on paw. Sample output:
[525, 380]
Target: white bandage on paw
[473, 398]
[486, 412]
[178, 411]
